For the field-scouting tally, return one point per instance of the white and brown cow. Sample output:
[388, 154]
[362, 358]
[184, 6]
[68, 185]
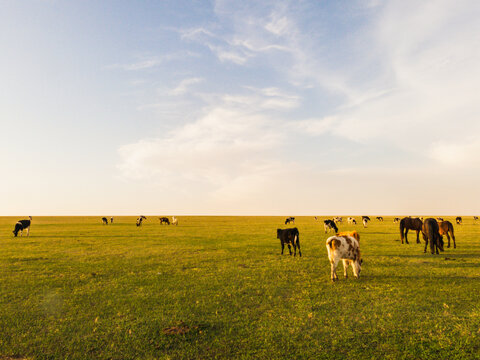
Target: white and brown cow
[347, 249]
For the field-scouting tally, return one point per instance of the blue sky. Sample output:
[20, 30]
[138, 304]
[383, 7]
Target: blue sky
[227, 107]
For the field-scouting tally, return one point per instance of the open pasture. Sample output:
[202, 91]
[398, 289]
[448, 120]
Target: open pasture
[217, 287]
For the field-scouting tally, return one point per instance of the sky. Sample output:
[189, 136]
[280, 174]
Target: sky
[239, 107]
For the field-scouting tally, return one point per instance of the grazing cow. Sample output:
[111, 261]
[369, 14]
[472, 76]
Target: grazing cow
[164, 220]
[22, 225]
[431, 233]
[397, 219]
[408, 223]
[291, 237]
[338, 219]
[111, 220]
[289, 220]
[104, 221]
[174, 220]
[446, 228]
[458, 220]
[365, 220]
[140, 220]
[475, 218]
[330, 225]
[347, 249]
[439, 219]
[379, 218]
[350, 220]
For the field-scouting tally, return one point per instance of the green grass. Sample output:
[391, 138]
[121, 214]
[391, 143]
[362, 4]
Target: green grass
[76, 289]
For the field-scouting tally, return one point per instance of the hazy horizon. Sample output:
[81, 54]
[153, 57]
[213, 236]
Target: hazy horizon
[237, 108]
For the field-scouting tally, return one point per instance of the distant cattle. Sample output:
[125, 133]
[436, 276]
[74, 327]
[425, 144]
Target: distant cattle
[164, 220]
[291, 237]
[439, 219]
[140, 220]
[174, 220]
[431, 234]
[379, 218]
[111, 220]
[289, 220]
[446, 228]
[104, 221]
[330, 225]
[408, 223]
[347, 249]
[475, 218]
[396, 220]
[458, 220]
[365, 220]
[338, 219]
[351, 220]
[22, 225]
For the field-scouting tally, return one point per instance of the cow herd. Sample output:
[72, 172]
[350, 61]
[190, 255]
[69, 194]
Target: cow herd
[345, 246]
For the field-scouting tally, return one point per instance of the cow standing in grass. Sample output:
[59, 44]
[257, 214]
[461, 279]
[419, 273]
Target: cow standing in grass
[22, 225]
[164, 220]
[289, 220]
[431, 234]
[347, 249]
[458, 220]
[329, 225]
[174, 220]
[104, 221]
[291, 237]
[140, 220]
[446, 228]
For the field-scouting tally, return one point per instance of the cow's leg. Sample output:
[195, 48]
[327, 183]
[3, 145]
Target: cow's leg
[433, 244]
[418, 239]
[453, 238]
[283, 247]
[448, 237]
[21, 232]
[333, 273]
[299, 251]
[406, 239]
[294, 249]
[28, 231]
[345, 266]
[290, 249]
[426, 243]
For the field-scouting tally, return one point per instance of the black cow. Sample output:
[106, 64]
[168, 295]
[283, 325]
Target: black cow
[290, 219]
[379, 218]
[164, 220]
[290, 237]
[366, 217]
[458, 219]
[22, 225]
[104, 221]
[430, 233]
[329, 225]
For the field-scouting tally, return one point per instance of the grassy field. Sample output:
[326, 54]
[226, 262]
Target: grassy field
[217, 287]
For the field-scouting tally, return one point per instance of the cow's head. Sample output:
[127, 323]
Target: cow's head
[279, 231]
[440, 242]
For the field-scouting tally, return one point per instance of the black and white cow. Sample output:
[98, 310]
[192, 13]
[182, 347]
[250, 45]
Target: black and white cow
[291, 237]
[396, 220]
[459, 220]
[140, 220]
[22, 225]
[338, 219]
[289, 220]
[111, 220]
[379, 218]
[475, 218]
[104, 221]
[365, 220]
[330, 225]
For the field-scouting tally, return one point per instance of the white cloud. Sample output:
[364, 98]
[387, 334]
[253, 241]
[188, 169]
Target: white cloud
[184, 85]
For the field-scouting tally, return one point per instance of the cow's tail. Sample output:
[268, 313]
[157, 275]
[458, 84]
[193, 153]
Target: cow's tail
[402, 228]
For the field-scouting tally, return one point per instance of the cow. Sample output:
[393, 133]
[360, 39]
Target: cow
[174, 220]
[446, 228]
[475, 218]
[289, 220]
[140, 220]
[111, 220]
[365, 220]
[431, 233]
[164, 220]
[104, 221]
[338, 219]
[347, 249]
[458, 220]
[439, 219]
[379, 218]
[291, 237]
[396, 220]
[351, 220]
[329, 225]
[22, 225]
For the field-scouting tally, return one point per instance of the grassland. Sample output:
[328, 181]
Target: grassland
[217, 287]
